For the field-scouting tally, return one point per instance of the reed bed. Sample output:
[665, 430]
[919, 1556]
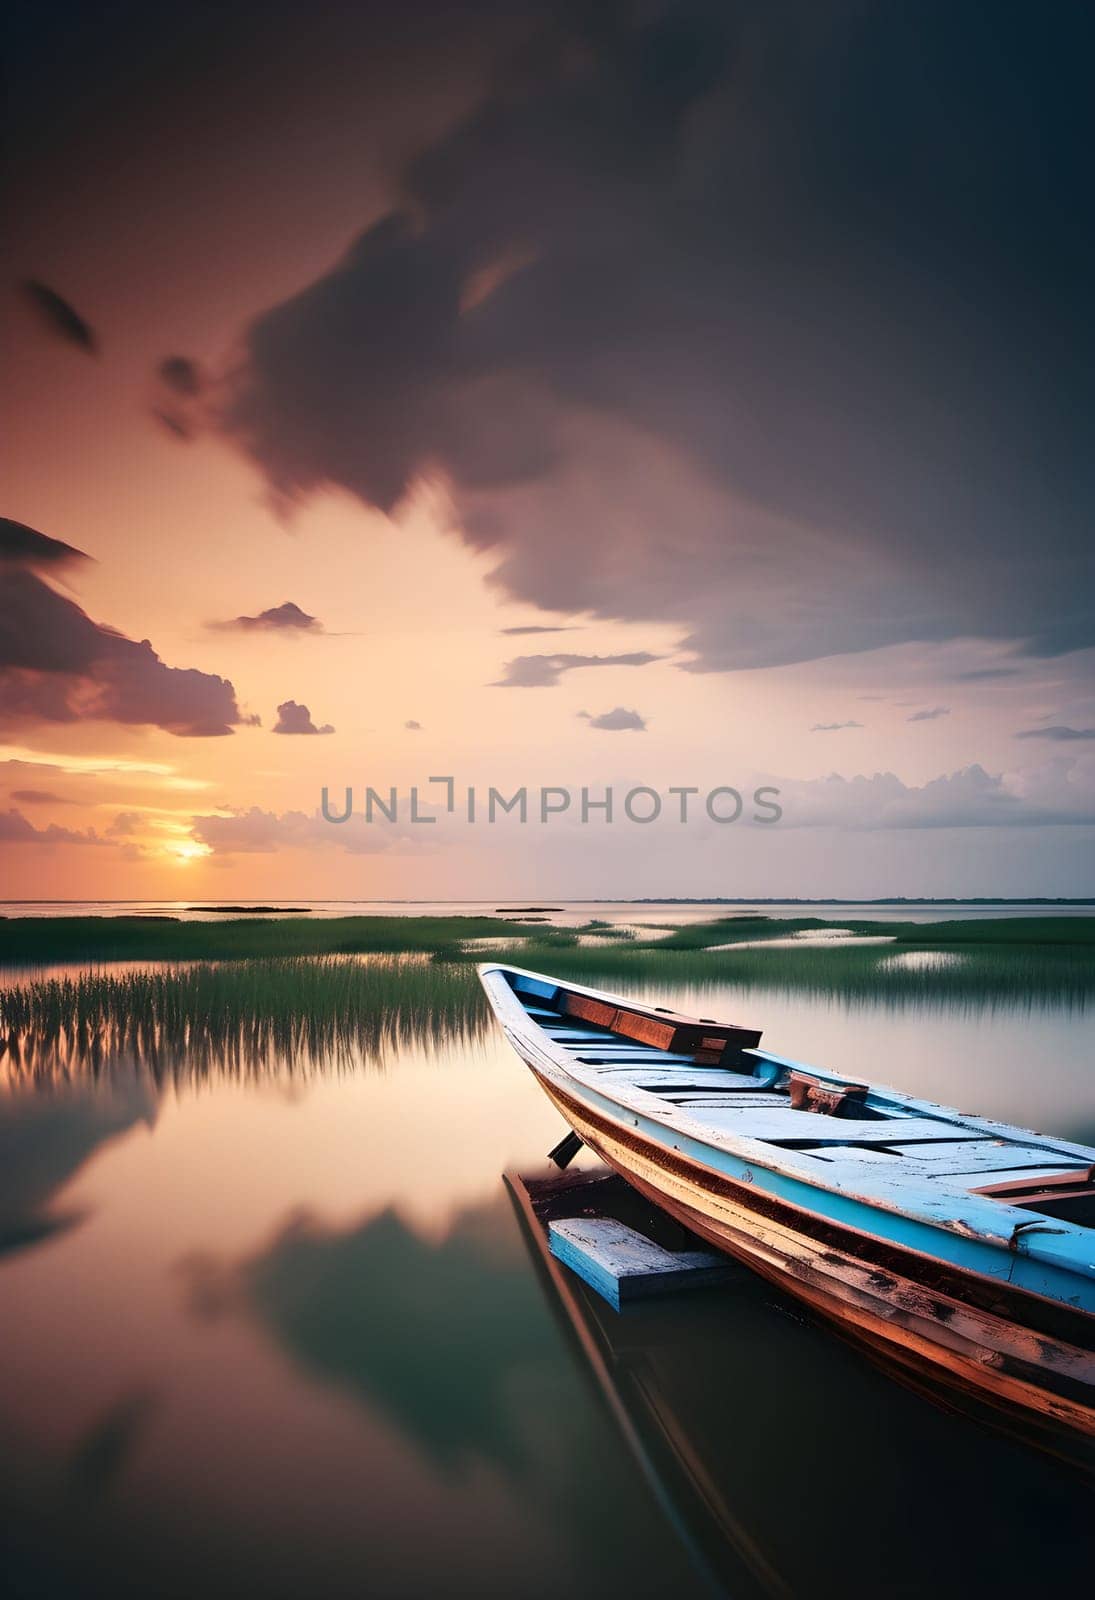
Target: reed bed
[300, 1014]
[994, 975]
[25, 940]
[252, 1019]
[992, 932]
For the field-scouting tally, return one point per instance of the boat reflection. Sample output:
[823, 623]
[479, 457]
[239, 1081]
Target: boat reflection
[789, 1463]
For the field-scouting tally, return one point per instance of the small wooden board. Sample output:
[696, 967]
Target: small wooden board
[623, 1265]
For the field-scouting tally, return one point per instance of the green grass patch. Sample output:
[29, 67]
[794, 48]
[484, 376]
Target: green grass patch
[25, 941]
[999, 971]
[909, 935]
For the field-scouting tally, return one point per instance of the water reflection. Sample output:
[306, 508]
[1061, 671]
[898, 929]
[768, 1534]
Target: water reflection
[103, 1453]
[792, 1467]
[425, 1434]
[426, 1330]
[44, 1143]
[298, 1346]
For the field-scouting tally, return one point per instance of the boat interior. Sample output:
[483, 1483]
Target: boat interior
[718, 1073]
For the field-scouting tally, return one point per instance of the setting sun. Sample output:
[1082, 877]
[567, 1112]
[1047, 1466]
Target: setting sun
[183, 852]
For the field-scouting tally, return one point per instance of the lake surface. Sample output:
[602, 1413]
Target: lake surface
[278, 1332]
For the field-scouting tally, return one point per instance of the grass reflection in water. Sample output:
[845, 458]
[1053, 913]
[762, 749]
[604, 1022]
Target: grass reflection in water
[243, 1019]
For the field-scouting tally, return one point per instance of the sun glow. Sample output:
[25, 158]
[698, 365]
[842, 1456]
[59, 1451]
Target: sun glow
[184, 851]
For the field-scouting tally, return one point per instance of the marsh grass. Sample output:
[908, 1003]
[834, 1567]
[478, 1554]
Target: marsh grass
[1037, 932]
[247, 1019]
[993, 975]
[27, 940]
[303, 1013]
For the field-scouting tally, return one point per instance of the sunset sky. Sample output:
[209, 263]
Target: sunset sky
[547, 394]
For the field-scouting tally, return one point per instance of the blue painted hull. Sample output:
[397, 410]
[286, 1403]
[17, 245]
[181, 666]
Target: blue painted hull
[998, 1298]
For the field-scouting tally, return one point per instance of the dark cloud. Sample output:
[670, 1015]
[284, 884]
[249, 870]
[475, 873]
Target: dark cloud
[412, 726]
[16, 829]
[833, 727]
[287, 618]
[174, 423]
[984, 674]
[125, 824]
[61, 318]
[40, 797]
[21, 546]
[619, 720]
[538, 628]
[791, 348]
[182, 376]
[58, 665]
[544, 672]
[1060, 734]
[179, 403]
[929, 716]
[293, 718]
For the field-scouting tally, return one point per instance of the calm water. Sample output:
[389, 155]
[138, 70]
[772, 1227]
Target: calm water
[285, 1337]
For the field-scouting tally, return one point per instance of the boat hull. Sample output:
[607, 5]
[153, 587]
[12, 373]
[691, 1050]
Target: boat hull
[948, 1329]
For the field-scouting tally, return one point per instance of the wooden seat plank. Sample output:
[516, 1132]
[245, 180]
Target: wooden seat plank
[735, 1097]
[1026, 1175]
[670, 1076]
[775, 1127]
[588, 1050]
[983, 1155]
[854, 1152]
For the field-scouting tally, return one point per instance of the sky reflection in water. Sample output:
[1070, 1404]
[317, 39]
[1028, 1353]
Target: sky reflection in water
[280, 1332]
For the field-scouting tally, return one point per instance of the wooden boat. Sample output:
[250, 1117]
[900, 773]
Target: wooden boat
[955, 1244]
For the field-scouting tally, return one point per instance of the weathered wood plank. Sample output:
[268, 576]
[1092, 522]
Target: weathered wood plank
[565, 1035]
[528, 984]
[854, 1152]
[623, 1265]
[671, 1076]
[980, 1155]
[666, 1033]
[734, 1097]
[624, 1053]
[738, 1084]
[987, 1181]
[773, 1126]
[626, 1066]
